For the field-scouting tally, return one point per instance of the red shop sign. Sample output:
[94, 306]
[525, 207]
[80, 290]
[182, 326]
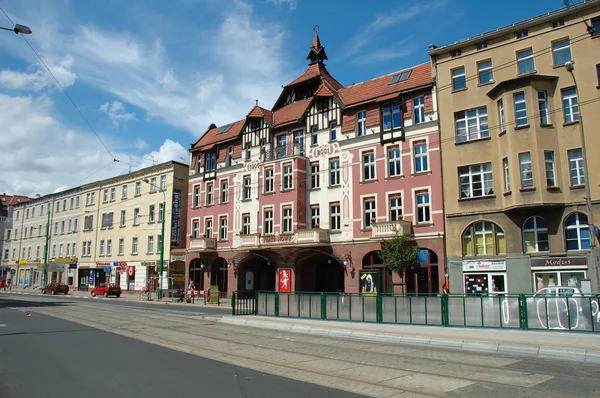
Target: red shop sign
[285, 280]
[131, 271]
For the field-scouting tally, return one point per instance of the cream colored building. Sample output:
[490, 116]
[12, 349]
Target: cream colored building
[120, 233]
[510, 120]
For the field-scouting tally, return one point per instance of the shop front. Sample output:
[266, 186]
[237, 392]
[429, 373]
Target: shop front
[92, 274]
[559, 271]
[177, 270]
[484, 276]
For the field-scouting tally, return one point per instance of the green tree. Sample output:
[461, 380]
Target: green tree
[399, 253]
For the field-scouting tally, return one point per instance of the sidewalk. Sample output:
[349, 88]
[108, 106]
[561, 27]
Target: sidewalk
[571, 346]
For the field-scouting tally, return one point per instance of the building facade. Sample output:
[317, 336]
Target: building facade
[7, 203]
[299, 197]
[510, 120]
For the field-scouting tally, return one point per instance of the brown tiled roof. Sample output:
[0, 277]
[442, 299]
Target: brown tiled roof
[379, 87]
[212, 136]
[315, 70]
[9, 200]
[291, 112]
[257, 111]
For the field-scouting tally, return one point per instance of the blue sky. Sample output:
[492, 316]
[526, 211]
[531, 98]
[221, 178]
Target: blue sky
[151, 75]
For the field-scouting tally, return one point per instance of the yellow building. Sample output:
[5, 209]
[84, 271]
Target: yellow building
[513, 162]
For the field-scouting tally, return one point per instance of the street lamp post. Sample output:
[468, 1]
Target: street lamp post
[570, 67]
[22, 29]
[162, 240]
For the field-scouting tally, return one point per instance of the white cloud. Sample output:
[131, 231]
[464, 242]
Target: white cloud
[291, 3]
[40, 78]
[116, 112]
[140, 144]
[169, 150]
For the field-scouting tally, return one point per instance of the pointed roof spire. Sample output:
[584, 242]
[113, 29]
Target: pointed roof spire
[317, 51]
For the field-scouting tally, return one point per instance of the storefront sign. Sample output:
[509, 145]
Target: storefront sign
[101, 263]
[176, 217]
[285, 280]
[484, 265]
[214, 294]
[56, 267]
[72, 266]
[265, 240]
[369, 282]
[148, 263]
[178, 257]
[22, 262]
[558, 261]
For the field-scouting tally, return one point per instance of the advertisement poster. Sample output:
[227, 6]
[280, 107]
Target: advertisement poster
[214, 294]
[175, 217]
[285, 280]
[369, 282]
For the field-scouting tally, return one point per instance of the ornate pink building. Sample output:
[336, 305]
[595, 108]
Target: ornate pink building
[300, 196]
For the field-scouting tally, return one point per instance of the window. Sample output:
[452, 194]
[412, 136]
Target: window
[315, 136]
[247, 187]
[68, 253]
[269, 181]
[153, 185]
[526, 170]
[136, 216]
[76, 204]
[577, 232]
[286, 220]
[84, 249]
[196, 198]
[224, 191]
[570, 105]
[315, 178]
[522, 34]
[558, 23]
[195, 229]
[210, 161]
[29, 252]
[482, 46]
[598, 66]
[423, 207]
[459, 78]
[369, 166]
[161, 212]
[105, 196]
[6, 251]
[561, 51]
[33, 209]
[150, 244]
[163, 182]
[62, 227]
[576, 167]
[53, 252]
[485, 72]
[395, 207]
[121, 247]
[333, 132]
[543, 107]
[334, 172]
[421, 156]
[64, 206]
[17, 216]
[476, 181]
[361, 123]
[55, 228]
[394, 161]
[335, 215]
[138, 188]
[550, 168]
[109, 247]
[472, 124]
[419, 109]
[391, 116]
[595, 23]
[456, 53]
[245, 224]
[122, 219]
[124, 192]
[501, 117]
[369, 212]
[223, 228]
[134, 245]
[287, 177]
[27, 213]
[315, 216]
[268, 222]
[535, 235]
[520, 109]
[525, 61]
[151, 209]
[209, 194]
[101, 248]
[208, 227]
[31, 231]
[88, 223]
[57, 207]
[483, 239]
[74, 225]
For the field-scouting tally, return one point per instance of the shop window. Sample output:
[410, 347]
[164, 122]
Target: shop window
[485, 283]
[535, 235]
[546, 279]
[577, 232]
[483, 239]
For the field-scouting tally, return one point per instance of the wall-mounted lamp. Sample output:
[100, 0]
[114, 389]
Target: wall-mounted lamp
[201, 265]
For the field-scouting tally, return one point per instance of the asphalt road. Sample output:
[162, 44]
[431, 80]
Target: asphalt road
[42, 356]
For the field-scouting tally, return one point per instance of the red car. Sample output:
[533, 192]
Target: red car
[106, 289]
[55, 288]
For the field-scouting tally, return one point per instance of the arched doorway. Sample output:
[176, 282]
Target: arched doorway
[423, 278]
[218, 274]
[256, 272]
[317, 271]
[196, 274]
[373, 264]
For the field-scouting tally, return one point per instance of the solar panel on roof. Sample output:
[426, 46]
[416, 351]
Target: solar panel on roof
[225, 129]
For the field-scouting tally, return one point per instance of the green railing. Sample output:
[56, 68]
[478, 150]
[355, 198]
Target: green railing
[516, 311]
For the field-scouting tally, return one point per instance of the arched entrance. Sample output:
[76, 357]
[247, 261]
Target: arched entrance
[196, 274]
[424, 277]
[373, 264]
[218, 274]
[318, 271]
[256, 272]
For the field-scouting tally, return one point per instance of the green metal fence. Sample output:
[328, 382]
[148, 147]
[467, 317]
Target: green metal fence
[517, 311]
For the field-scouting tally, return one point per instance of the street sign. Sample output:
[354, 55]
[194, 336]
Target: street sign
[13, 271]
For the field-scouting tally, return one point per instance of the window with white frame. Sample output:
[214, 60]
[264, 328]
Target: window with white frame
[520, 109]
[113, 193]
[335, 214]
[153, 185]
[68, 252]
[88, 199]
[577, 232]
[368, 166]
[150, 248]
[134, 245]
[75, 221]
[395, 201]
[223, 228]
[83, 249]
[315, 216]
[71, 204]
[472, 124]
[269, 180]
[56, 227]
[483, 239]
[315, 178]
[394, 161]
[570, 105]
[29, 252]
[543, 107]
[101, 248]
[209, 194]
[315, 135]
[501, 116]
[287, 177]
[196, 196]
[391, 116]
[136, 216]
[526, 170]
[208, 227]
[246, 224]
[370, 212]
[550, 168]
[161, 212]
[525, 61]
[419, 109]
[333, 131]
[124, 192]
[268, 222]
[195, 229]
[73, 249]
[163, 182]
[62, 227]
[123, 218]
[361, 123]
[224, 191]
[138, 188]
[561, 51]
[334, 172]
[121, 247]
[423, 206]
[151, 211]
[476, 180]
[247, 187]
[286, 219]
[70, 228]
[60, 251]
[88, 223]
[421, 156]
[576, 167]
[53, 252]
[109, 247]
[535, 235]
[485, 72]
[459, 78]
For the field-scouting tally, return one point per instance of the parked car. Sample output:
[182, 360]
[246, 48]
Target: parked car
[55, 288]
[106, 289]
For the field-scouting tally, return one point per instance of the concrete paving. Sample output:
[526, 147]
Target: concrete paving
[371, 368]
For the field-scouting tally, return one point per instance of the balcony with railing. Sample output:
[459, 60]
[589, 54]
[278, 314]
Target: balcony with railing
[199, 244]
[390, 228]
[250, 240]
[314, 235]
[283, 151]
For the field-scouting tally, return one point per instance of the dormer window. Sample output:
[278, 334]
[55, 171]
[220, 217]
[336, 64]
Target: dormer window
[456, 53]
[522, 34]
[255, 124]
[391, 116]
[323, 105]
[225, 129]
[210, 161]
